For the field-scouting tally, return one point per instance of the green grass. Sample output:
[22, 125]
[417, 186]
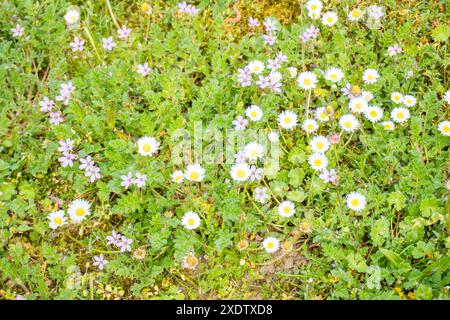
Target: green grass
[396, 248]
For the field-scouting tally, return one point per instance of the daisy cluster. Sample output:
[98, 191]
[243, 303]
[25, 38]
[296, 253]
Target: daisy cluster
[323, 109]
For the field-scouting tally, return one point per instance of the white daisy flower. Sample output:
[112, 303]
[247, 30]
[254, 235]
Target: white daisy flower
[321, 114]
[334, 74]
[314, 6]
[310, 125]
[57, 219]
[400, 115]
[253, 151]
[177, 176]
[319, 144]
[256, 67]
[355, 15]
[194, 172]
[318, 161]
[271, 244]
[444, 128]
[447, 96]
[72, 16]
[388, 125]
[358, 105]
[78, 210]
[147, 146]
[307, 80]
[348, 123]
[191, 220]
[254, 113]
[409, 101]
[370, 76]
[240, 171]
[329, 18]
[373, 113]
[286, 209]
[356, 201]
[396, 97]
[287, 120]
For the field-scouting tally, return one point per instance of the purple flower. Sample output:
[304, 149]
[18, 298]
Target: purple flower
[124, 244]
[187, 8]
[240, 123]
[270, 25]
[93, 173]
[108, 43]
[375, 12]
[123, 32]
[67, 159]
[143, 69]
[261, 195]
[269, 39]
[86, 163]
[310, 34]
[140, 179]
[99, 261]
[114, 238]
[127, 180]
[346, 91]
[77, 45]
[244, 77]
[67, 88]
[65, 146]
[255, 173]
[329, 176]
[263, 82]
[17, 31]
[393, 50]
[253, 22]
[239, 157]
[46, 104]
[56, 117]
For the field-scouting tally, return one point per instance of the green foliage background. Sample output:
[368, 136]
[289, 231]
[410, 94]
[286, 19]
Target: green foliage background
[397, 248]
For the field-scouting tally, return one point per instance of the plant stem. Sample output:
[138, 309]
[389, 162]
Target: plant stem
[112, 14]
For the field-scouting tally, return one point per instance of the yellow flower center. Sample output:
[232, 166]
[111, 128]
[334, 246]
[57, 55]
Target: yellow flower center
[333, 76]
[355, 202]
[309, 127]
[240, 173]
[319, 145]
[57, 220]
[287, 120]
[307, 81]
[446, 128]
[370, 77]
[80, 212]
[317, 162]
[356, 13]
[147, 148]
[396, 98]
[400, 115]
[194, 175]
[330, 19]
[287, 210]
[192, 261]
[253, 153]
[270, 245]
[314, 7]
[191, 221]
[373, 113]
[253, 114]
[348, 124]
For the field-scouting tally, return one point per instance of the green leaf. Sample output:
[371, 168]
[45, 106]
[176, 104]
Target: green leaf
[397, 199]
[441, 33]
